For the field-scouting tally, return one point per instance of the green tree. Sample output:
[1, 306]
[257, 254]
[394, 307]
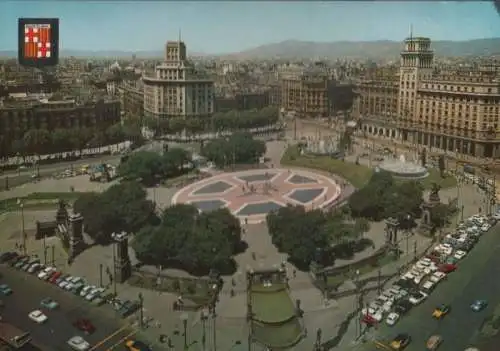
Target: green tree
[239, 148]
[37, 141]
[145, 166]
[60, 140]
[439, 215]
[122, 207]
[175, 161]
[185, 238]
[298, 233]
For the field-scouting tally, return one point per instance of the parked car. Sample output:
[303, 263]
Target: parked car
[38, 316]
[49, 303]
[392, 319]
[78, 343]
[5, 290]
[8, 256]
[46, 272]
[85, 325]
[417, 297]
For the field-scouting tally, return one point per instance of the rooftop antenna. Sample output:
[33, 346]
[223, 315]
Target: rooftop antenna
[179, 35]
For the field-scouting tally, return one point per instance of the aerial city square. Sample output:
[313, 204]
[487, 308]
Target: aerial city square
[307, 176]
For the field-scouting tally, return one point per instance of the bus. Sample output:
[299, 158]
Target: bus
[12, 336]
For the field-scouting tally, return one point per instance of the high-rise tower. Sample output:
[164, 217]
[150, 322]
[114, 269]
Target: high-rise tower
[416, 64]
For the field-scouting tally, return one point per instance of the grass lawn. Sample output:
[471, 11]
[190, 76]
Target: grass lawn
[170, 182]
[38, 201]
[357, 175]
[272, 306]
[435, 177]
[337, 280]
[278, 336]
[275, 323]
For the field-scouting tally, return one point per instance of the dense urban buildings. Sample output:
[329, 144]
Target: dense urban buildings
[450, 109]
[19, 115]
[177, 89]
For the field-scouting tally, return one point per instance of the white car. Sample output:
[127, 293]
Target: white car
[459, 254]
[86, 290]
[446, 249]
[392, 319]
[65, 282]
[37, 316]
[485, 227]
[417, 298]
[410, 275]
[387, 306]
[436, 277]
[72, 282]
[94, 293]
[428, 286]
[46, 272]
[418, 279]
[78, 343]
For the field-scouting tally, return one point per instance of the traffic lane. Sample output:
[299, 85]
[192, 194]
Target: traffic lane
[419, 323]
[459, 328]
[29, 291]
[60, 166]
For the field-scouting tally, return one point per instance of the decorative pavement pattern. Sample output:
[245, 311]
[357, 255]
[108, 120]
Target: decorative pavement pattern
[250, 195]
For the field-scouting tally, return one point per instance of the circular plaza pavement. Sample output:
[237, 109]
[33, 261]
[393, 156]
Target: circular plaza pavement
[250, 195]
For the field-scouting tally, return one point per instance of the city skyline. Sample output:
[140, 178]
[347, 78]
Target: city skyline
[227, 27]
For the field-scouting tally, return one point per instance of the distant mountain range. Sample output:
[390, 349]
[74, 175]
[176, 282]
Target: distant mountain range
[295, 49]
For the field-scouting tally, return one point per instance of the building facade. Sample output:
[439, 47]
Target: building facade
[16, 118]
[131, 95]
[450, 110]
[305, 93]
[243, 101]
[176, 89]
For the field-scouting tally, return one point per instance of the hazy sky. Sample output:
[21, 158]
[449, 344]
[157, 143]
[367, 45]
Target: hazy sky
[220, 27]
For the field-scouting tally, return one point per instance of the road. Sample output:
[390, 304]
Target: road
[15, 178]
[473, 280]
[53, 335]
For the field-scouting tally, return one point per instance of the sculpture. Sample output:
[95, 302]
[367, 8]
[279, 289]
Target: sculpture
[402, 158]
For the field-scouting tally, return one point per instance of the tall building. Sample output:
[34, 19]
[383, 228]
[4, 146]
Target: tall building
[449, 110]
[176, 89]
[305, 92]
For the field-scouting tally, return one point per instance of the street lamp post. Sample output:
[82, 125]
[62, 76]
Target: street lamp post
[184, 318]
[204, 318]
[141, 310]
[23, 232]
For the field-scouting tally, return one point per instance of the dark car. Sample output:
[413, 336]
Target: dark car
[8, 256]
[84, 325]
[17, 260]
[402, 307]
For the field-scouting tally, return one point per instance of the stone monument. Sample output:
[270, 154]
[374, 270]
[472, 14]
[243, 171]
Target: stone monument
[426, 226]
[391, 231]
[123, 267]
[75, 235]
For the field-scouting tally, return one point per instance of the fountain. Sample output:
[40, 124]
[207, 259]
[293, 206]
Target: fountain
[401, 168]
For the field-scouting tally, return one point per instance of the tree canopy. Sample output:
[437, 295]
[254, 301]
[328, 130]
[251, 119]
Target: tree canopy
[188, 239]
[382, 198]
[149, 167]
[43, 141]
[220, 121]
[308, 236]
[239, 148]
[122, 207]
